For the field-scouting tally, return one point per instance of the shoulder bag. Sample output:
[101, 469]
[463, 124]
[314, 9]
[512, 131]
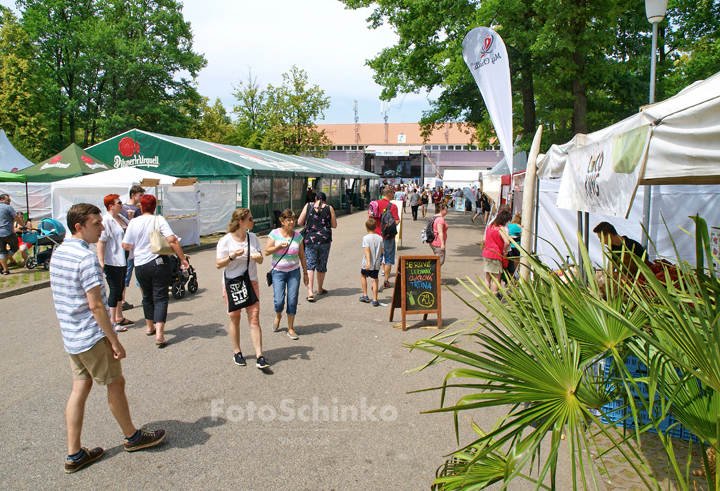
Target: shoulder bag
[158, 242]
[240, 292]
[268, 276]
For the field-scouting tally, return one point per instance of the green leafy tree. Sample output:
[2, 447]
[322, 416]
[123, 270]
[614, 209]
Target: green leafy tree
[23, 101]
[214, 125]
[115, 65]
[251, 112]
[292, 109]
[576, 66]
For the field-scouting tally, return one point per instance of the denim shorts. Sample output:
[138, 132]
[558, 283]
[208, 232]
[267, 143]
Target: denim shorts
[316, 256]
[389, 251]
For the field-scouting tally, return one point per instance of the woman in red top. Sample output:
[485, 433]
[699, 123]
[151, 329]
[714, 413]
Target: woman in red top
[497, 244]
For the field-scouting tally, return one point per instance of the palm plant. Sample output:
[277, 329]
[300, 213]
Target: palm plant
[539, 354]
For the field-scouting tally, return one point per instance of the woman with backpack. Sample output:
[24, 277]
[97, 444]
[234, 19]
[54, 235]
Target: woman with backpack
[439, 228]
[319, 220]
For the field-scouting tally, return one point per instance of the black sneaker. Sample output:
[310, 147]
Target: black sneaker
[89, 457]
[239, 360]
[147, 439]
[261, 362]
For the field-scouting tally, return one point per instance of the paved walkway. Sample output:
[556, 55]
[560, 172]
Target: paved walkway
[238, 427]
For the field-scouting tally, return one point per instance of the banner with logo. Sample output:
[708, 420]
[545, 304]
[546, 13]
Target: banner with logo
[603, 177]
[486, 57]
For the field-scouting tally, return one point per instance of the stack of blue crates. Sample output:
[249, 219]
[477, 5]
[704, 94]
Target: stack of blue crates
[623, 416]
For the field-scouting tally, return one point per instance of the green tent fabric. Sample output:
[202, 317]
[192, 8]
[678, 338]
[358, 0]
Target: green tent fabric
[71, 162]
[12, 177]
[184, 157]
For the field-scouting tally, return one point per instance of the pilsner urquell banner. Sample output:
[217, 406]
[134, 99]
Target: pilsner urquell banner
[603, 177]
[487, 58]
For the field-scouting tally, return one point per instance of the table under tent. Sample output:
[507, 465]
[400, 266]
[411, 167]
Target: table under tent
[176, 198]
[230, 177]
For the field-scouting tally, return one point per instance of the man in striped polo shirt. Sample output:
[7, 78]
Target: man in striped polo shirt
[76, 279]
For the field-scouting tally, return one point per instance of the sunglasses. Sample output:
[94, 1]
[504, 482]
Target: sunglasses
[251, 219]
[119, 203]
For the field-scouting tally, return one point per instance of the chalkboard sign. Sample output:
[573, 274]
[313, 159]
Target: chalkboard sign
[417, 287]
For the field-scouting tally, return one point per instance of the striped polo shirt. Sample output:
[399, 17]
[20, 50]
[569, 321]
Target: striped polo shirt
[74, 270]
[291, 260]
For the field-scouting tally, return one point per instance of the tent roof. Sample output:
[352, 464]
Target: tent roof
[124, 177]
[71, 162]
[685, 142]
[502, 169]
[12, 177]
[10, 159]
[186, 157]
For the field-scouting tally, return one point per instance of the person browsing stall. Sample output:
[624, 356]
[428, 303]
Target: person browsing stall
[152, 270]
[8, 239]
[621, 246]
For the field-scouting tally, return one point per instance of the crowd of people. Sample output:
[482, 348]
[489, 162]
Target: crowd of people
[128, 235]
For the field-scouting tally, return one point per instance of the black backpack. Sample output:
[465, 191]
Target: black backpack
[388, 225]
[427, 235]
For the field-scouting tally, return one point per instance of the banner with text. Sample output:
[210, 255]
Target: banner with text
[487, 58]
[603, 177]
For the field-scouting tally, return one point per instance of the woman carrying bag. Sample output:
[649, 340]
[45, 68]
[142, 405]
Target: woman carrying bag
[144, 234]
[238, 252]
[288, 255]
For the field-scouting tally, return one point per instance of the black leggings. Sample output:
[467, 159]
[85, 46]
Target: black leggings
[115, 277]
[154, 281]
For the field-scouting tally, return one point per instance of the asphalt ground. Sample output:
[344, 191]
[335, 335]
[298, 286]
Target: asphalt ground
[232, 427]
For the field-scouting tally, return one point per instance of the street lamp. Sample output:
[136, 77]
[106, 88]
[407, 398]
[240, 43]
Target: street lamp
[655, 12]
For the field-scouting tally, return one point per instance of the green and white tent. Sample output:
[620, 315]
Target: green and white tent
[266, 180]
[71, 162]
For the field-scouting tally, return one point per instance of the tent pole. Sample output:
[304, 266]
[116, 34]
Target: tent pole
[27, 200]
[537, 212]
[528, 211]
[580, 233]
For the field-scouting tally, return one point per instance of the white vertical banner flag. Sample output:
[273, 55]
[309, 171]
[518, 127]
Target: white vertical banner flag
[487, 58]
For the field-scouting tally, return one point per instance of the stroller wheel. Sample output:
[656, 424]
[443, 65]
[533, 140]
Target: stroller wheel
[193, 285]
[46, 264]
[178, 290]
[31, 263]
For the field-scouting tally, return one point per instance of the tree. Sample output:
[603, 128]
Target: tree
[214, 125]
[115, 65]
[576, 66]
[292, 109]
[22, 98]
[251, 112]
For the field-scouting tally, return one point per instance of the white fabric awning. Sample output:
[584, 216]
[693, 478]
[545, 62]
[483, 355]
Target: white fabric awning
[393, 150]
[684, 146]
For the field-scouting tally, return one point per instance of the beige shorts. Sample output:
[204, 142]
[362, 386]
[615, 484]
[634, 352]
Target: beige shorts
[98, 362]
[493, 266]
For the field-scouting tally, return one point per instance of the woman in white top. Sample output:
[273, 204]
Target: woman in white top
[232, 254]
[151, 270]
[113, 259]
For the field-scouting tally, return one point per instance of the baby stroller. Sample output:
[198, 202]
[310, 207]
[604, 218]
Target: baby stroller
[49, 234]
[180, 277]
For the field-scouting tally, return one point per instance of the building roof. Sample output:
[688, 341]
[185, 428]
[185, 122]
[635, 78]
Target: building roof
[374, 134]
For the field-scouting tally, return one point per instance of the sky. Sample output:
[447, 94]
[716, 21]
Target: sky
[319, 36]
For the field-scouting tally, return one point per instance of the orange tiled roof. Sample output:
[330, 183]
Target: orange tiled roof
[374, 134]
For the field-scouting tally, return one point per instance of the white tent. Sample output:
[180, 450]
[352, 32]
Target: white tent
[684, 146]
[179, 203]
[454, 178]
[10, 159]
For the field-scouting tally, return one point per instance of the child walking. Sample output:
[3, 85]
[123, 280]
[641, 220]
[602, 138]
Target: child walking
[371, 262]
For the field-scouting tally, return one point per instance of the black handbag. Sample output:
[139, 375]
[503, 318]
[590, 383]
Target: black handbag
[240, 292]
[303, 232]
[268, 276]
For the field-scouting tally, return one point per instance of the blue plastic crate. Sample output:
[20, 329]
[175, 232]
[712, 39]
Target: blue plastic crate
[686, 435]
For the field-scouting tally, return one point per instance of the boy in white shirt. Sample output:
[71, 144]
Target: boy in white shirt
[372, 260]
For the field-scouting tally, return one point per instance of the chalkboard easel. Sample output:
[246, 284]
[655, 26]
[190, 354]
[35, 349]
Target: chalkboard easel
[417, 288]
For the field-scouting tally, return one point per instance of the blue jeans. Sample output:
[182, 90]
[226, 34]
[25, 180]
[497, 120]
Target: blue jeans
[128, 271]
[283, 280]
